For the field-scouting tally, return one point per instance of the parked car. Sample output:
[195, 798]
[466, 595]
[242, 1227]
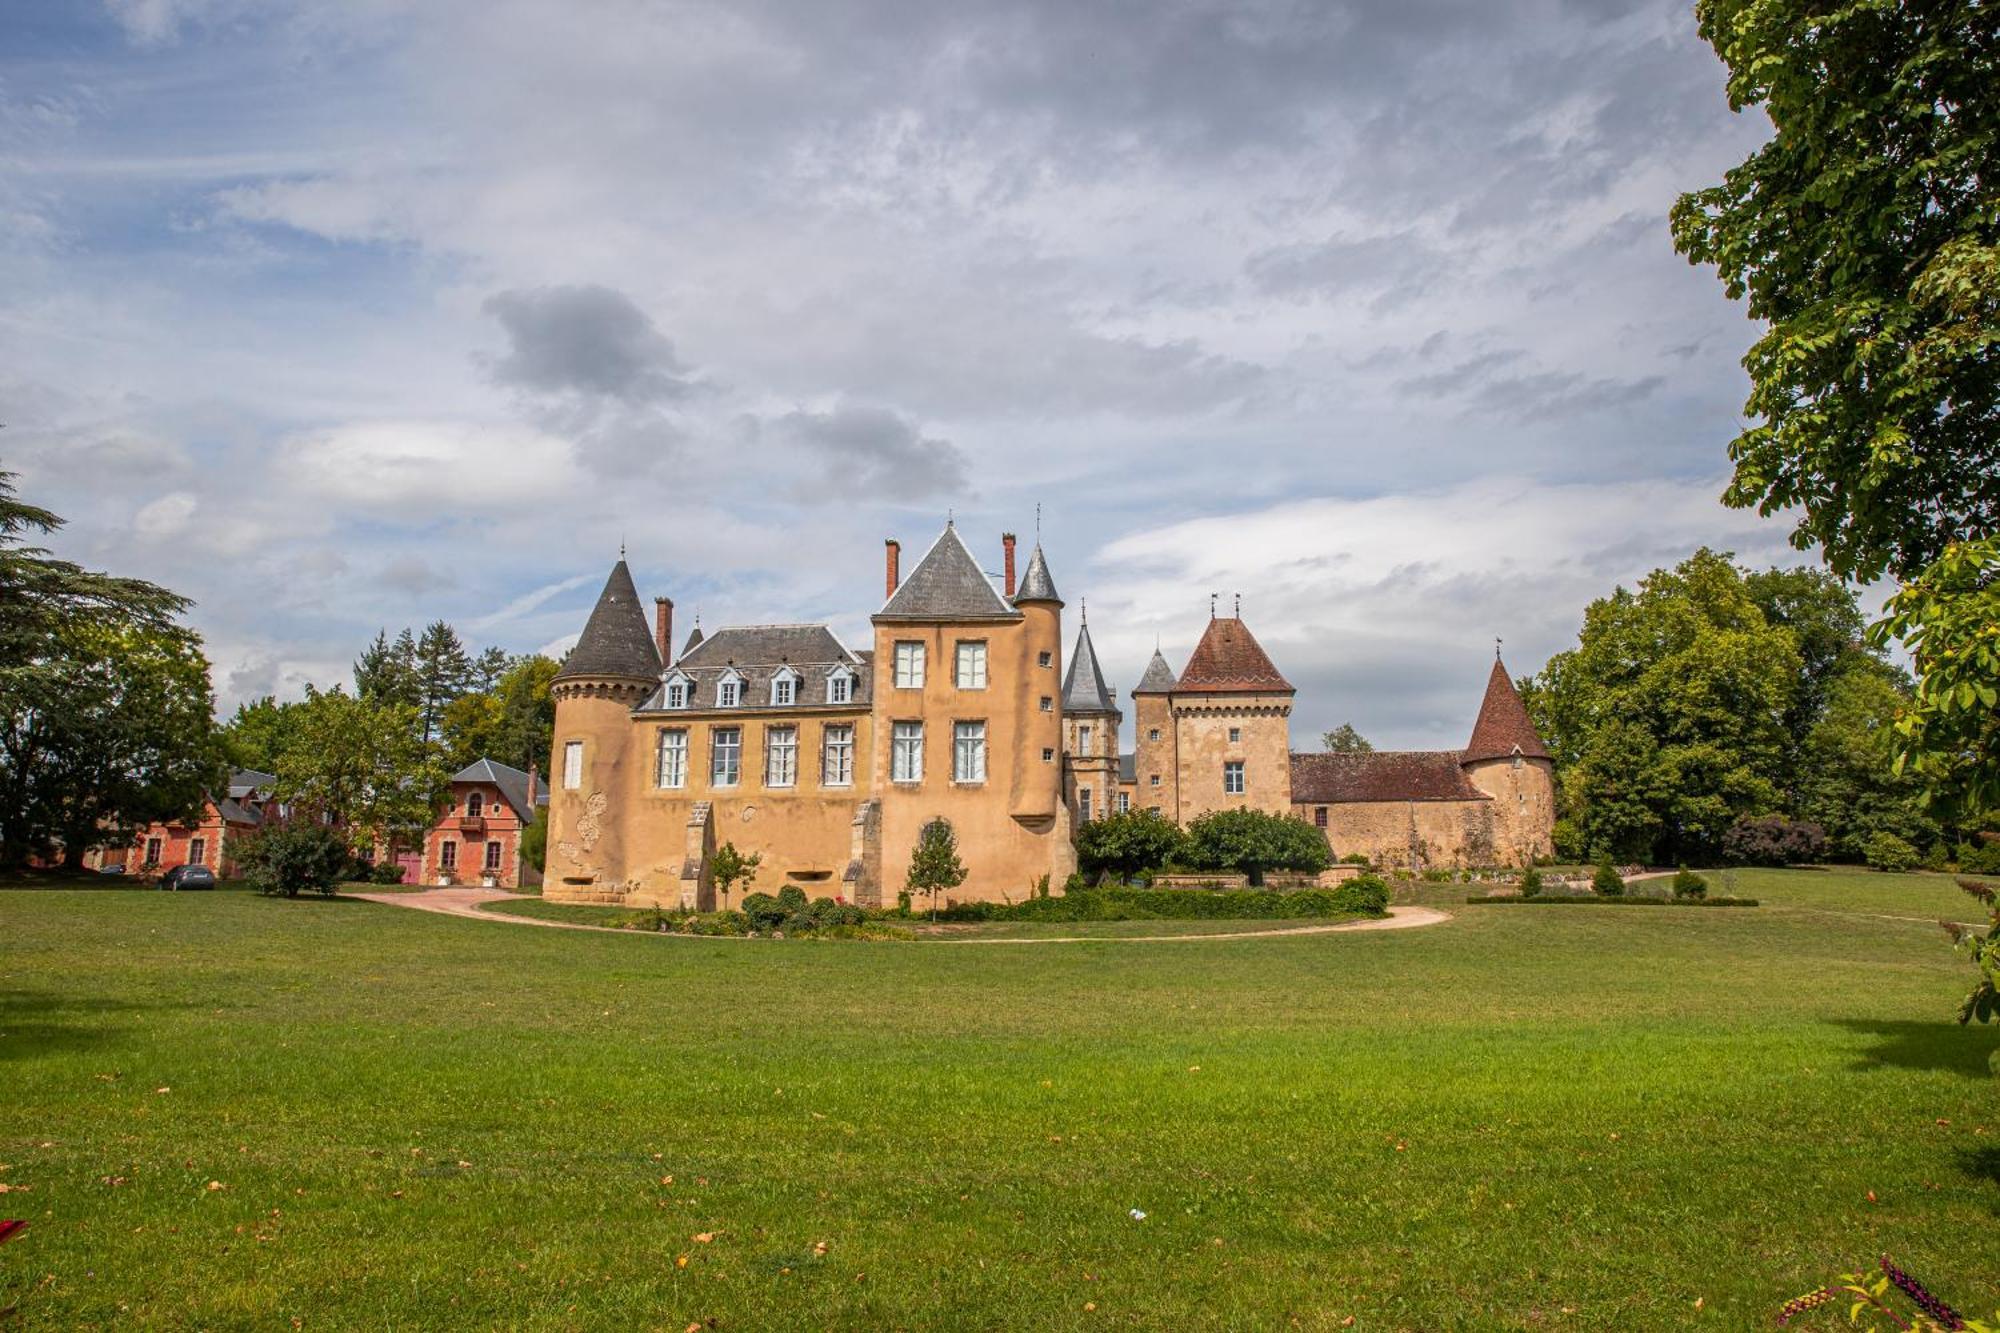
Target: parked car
[188, 877]
[118, 869]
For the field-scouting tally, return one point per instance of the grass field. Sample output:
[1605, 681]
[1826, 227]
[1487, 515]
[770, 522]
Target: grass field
[1517, 1119]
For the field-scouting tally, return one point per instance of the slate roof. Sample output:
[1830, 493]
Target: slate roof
[693, 640]
[1503, 724]
[947, 585]
[756, 654]
[616, 639]
[1084, 690]
[1037, 585]
[1159, 677]
[1382, 775]
[512, 782]
[235, 812]
[249, 781]
[1229, 660]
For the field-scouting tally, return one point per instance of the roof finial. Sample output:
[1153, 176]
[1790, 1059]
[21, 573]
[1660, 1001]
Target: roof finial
[1038, 522]
[1239, 606]
[621, 546]
[1211, 604]
[1496, 647]
[950, 517]
[1083, 606]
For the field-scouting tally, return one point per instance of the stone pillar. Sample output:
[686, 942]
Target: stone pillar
[697, 878]
[863, 876]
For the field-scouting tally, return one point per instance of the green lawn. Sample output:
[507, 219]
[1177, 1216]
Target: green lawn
[1539, 1119]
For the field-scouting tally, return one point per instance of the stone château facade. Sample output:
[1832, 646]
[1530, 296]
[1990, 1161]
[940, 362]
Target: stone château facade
[827, 760]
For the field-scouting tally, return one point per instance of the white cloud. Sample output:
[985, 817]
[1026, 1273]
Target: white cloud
[445, 469]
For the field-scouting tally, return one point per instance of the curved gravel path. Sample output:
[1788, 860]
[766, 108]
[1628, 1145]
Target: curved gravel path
[467, 902]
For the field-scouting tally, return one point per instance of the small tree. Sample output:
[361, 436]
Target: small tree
[1606, 879]
[1252, 841]
[1344, 739]
[1531, 883]
[1687, 884]
[730, 868]
[284, 860]
[1125, 844]
[1886, 851]
[935, 864]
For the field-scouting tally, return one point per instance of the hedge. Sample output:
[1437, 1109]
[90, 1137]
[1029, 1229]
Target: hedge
[1362, 896]
[1593, 901]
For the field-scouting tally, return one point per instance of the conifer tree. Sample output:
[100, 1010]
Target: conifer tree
[443, 672]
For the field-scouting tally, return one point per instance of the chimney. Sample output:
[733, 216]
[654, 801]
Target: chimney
[893, 573]
[663, 628]
[1007, 545]
[534, 786]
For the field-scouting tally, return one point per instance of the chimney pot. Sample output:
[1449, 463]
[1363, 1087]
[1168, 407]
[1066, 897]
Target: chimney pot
[663, 628]
[893, 550]
[1007, 545]
[534, 786]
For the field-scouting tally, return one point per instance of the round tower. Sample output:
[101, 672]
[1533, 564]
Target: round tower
[1153, 769]
[593, 768]
[1506, 760]
[1037, 790]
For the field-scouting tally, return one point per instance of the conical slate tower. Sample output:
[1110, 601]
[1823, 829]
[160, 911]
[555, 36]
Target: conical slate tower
[616, 640]
[1159, 677]
[1037, 585]
[1084, 690]
[1504, 726]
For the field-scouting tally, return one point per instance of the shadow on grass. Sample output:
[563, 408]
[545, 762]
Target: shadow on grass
[33, 1023]
[1982, 1164]
[1943, 1046]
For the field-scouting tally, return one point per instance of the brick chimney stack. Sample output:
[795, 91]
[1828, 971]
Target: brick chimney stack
[1007, 545]
[534, 785]
[893, 573]
[663, 628]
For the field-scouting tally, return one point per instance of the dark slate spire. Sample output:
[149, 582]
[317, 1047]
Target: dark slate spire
[694, 640]
[1159, 677]
[1503, 726]
[616, 639]
[946, 585]
[1084, 690]
[1036, 584]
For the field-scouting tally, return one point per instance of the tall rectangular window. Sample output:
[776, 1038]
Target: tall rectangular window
[674, 759]
[1232, 778]
[1319, 816]
[448, 854]
[572, 765]
[152, 851]
[1124, 801]
[1084, 733]
[968, 752]
[781, 756]
[836, 761]
[677, 694]
[1083, 795]
[909, 666]
[972, 665]
[906, 752]
[725, 756]
[493, 855]
[198, 851]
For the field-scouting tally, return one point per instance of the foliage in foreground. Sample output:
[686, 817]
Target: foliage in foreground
[1364, 895]
[299, 856]
[1914, 1306]
[1984, 1001]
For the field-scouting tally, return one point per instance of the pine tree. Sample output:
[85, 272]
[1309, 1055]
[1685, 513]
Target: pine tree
[935, 864]
[443, 672]
[385, 673]
[488, 668]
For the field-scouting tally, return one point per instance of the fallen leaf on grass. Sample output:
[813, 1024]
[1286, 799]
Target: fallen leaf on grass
[5, 1188]
[216, 1185]
[1089, 1305]
[681, 1262]
[819, 1247]
[666, 1180]
[704, 1238]
[162, 1090]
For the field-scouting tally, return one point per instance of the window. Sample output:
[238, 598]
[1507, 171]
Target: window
[1517, 758]
[1048, 704]
[1319, 816]
[1048, 755]
[968, 752]
[475, 805]
[725, 756]
[1232, 778]
[909, 666]
[784, 689]
[673, 759]
[1153, 781]
[781, 756]
[836, 761]
[729, 692]
[572, 765]
[1124, 802]
[906, 752]
[198, 851]
[1045, 659]
[1083, 805]
[839, 687]
[972, 665]
[1236, 735]
[677, 694]
[493, 855]
[1152, 733]
[448, 855]
[1084, 734]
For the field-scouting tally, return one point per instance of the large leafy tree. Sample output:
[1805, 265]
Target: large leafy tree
[361, 765]
[1668, 719]
[513, 723]
[1847, 778]
[1865, 235]
[1254, 841]
[258, 732]
[1128, 843]
[106, 718]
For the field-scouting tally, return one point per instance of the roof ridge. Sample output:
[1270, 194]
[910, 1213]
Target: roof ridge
[947, 584]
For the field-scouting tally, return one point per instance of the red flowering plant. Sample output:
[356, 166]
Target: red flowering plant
[1888, 1299]
[1984, 1002]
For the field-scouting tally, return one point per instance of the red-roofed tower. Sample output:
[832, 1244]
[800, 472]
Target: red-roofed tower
[1506, 760]
[1231, 714]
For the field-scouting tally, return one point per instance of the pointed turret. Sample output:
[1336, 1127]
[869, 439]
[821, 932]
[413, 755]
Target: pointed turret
[1504, 726]
[616, 640]
[1084, 690]
[694, 640]
[1159, 677]
[1229, 660]
[947, 585]
[1036, 584]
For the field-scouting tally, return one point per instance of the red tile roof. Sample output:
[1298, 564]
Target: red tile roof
[1503, 725]
[1228, 660]
[1381, 775]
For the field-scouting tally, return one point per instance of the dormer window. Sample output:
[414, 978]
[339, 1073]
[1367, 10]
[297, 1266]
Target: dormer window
[840, 686]
[784, 688]
[475, 806]
[680, 691]
[729, 691]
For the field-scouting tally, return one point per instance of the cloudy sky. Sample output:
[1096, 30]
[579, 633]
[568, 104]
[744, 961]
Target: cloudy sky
[361, 313]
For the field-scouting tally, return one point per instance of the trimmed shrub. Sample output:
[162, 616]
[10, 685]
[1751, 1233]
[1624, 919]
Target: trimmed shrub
[1437, 876]
[1366, 894]
[1979, 856]
[1531, 882]
[1886, 851]
[386, 872]
[1687, 884]
[763, 911]
[1355, 859]
[1773, 840]
[285, 860]
[1606, 879]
